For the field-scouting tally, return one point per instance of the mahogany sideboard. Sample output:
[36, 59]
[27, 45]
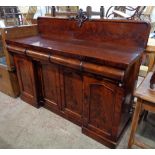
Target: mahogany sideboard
[85, 74]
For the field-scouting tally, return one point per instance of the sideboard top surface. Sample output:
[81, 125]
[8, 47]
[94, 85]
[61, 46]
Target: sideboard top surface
[104, 52]
[115, 42]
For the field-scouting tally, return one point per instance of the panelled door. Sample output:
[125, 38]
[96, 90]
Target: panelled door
[50, 86]
[99, 103]
[72, 94]
[26, 75]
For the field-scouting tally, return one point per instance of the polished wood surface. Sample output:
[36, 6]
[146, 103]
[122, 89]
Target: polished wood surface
[84, 49]
[72, 40]
[102, 30]
[72, 93]
[27, 83]
[85, 74]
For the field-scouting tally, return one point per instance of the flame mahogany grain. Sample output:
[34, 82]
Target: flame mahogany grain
[87, 75]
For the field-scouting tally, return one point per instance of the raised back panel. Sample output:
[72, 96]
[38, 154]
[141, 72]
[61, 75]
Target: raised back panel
[132, 33]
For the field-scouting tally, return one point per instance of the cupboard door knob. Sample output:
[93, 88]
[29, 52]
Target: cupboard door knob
[120, 84]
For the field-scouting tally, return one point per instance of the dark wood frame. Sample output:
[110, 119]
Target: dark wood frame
[85, 74]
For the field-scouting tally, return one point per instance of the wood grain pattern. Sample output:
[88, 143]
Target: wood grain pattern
[86, 75]
[99, 94]
[100, 35]
[25, 72]
[50, 84]
[102, 30]
[72, 93]
[100, 53]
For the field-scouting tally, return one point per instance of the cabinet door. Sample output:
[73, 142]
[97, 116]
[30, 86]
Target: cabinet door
[99, 105]
[50, 85]
[72, 94]
[26, 78]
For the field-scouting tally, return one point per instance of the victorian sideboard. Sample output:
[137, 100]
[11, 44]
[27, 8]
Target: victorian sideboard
[84, 73]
